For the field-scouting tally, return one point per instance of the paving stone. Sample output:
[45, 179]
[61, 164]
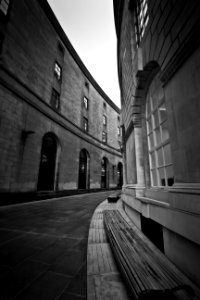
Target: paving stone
[69, 296]
[69, 263]
[81, 245]
[7, 235]
[12, 256]
[78, 285]
[48, 286]
[18, 278]
[54, 251]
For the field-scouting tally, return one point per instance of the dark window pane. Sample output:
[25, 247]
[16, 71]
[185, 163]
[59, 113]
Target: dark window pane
[169, 174]
[57, 71]
[4, 5]
[55, 100]
[118, 131]
[162, 113]
[104, 137]
[61, 49]
[162, 177]
[85, 102]
[85, 124]
[104, 120]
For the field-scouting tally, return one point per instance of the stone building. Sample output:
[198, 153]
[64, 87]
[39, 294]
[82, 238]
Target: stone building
[59, 131]
[159, 71]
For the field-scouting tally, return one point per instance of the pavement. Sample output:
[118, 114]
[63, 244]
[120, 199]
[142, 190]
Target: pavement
[104, 279]
[43, 248]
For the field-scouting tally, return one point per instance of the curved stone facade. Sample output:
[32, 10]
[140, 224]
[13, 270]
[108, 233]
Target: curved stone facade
[51, 108]
[158, 63]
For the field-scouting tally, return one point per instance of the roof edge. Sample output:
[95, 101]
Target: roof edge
[54, 21]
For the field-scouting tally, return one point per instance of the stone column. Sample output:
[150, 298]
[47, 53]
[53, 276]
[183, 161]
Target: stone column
[123, 149]
[139, 157]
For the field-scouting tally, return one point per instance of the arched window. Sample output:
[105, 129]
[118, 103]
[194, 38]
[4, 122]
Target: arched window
[46, 178]
[161, 168]
[83, 182]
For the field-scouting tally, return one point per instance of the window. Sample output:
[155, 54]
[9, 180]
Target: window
[85, 103]
[104, 137]
[57, 71]
[87, 85]
[4, 5]
[142, 19]
[160, 160]
[104, 105]
[61, 49]
[85, 124]
[55, 99]
[118, 131]
[104, 120]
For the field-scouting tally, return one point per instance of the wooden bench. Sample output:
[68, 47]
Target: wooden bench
[147, 271]
[104, 279]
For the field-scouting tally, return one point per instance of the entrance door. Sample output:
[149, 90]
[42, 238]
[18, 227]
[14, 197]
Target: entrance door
[83, 170]
[120, 175]
[104, 171]
[47, 163]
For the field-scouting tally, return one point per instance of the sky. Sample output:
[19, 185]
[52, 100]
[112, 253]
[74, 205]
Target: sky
[89, 25]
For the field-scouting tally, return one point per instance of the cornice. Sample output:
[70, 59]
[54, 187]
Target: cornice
[53, 20]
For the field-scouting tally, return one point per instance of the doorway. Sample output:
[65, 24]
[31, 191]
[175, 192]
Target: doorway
[104, 173]
[83, 182]
[46, 178]
[119, 175]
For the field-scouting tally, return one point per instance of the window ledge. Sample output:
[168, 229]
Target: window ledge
[153, 201]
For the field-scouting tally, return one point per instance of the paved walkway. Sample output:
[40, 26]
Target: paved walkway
[43, 248]
[104, 281]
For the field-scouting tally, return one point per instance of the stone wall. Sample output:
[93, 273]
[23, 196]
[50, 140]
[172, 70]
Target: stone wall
[33, 42]
[167, 55]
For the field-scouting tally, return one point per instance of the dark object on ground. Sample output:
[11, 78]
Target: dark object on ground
[113, 198]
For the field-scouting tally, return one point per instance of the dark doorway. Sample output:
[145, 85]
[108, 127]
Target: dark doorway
[104, 173]
[119, 175]
[47, 163]
[83, 182]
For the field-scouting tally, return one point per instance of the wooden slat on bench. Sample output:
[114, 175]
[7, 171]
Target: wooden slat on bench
[104, 281]
[147, 271]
